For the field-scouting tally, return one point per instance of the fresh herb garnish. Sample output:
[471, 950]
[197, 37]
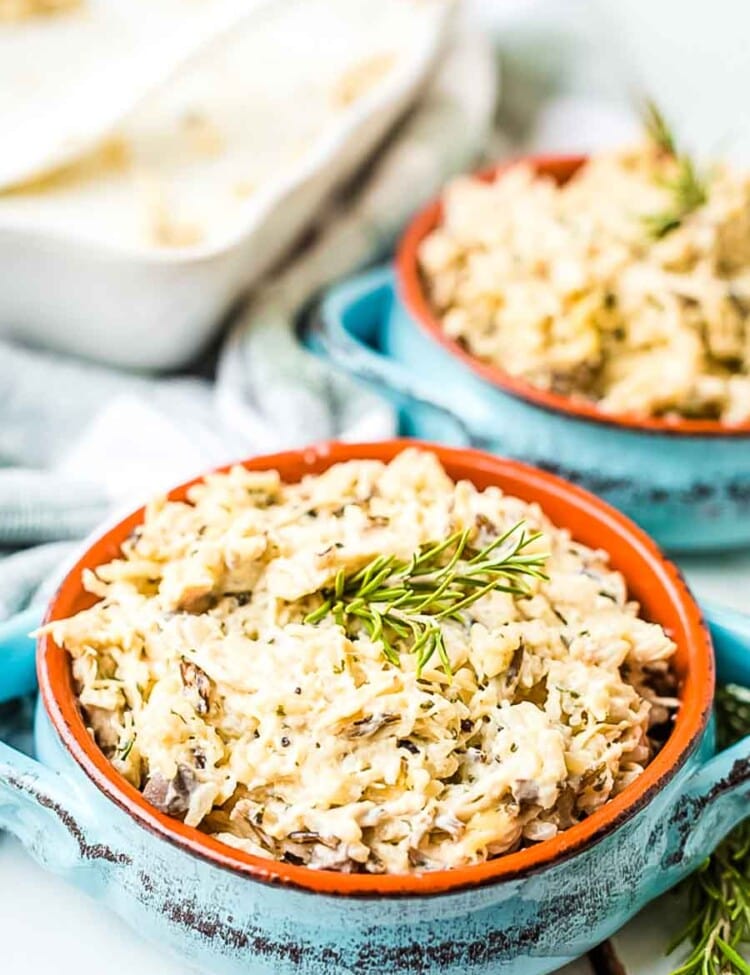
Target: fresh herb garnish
[657, 129]
[719, 891]
[401, 604]
[687, 187]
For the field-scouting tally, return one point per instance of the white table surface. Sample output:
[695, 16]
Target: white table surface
[45, 925]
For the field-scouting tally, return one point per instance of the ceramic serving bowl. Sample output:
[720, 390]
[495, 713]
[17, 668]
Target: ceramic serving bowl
[686, 481]
[230, 912]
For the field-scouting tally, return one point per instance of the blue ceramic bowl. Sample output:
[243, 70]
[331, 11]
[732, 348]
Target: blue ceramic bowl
[526, 913]
[687, 482]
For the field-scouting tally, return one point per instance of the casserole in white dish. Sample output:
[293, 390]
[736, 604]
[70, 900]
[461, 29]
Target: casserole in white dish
[133, 257]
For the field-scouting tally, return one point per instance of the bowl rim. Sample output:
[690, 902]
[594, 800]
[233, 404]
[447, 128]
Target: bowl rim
[412, 292]
[55, 682]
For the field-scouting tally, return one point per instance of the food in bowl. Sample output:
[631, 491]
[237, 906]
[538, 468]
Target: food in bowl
[376, 669]
[628, 285]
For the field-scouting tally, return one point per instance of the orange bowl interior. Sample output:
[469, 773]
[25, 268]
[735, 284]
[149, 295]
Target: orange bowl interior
[414, 295]
[653, 581]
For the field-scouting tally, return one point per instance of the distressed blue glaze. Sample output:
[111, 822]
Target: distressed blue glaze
[17, 667]
[689, 492]
[230, 924]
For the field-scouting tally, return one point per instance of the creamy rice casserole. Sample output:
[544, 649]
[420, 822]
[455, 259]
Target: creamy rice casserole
[628, 286]
[376, 669]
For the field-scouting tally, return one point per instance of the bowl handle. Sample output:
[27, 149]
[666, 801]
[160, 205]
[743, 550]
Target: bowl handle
[346, 329]
[43, 808]
[718, 793]
[18, 654]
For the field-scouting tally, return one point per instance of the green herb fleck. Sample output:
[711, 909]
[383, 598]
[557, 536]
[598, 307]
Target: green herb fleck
[126, 749]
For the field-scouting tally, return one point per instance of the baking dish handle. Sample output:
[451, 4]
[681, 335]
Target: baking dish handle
[718, 794]
[43, 808]
[345, 330]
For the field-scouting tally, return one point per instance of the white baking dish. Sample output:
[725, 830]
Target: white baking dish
[80, 290]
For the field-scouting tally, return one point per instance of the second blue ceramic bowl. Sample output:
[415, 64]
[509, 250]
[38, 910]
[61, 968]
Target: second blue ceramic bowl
[689, 490]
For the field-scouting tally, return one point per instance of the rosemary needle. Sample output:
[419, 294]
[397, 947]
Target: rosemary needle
[687, 187]
[688, 193]
[657, 129]
[401, 603]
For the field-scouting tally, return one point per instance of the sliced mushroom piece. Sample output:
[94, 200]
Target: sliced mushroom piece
[196, 599]
[514, 667]
[418, 859]
[306, 836]
[255, 833]
[103, 723]
[171, 796]
[526, 790]
[375, 865]
[366, 727]
[324, 858]
[487, 530]
[408, 746]
[197, 684]
[447, 823]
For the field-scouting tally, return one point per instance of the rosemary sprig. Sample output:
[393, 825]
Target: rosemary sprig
[657, 129]
[687, 187]
[688, 193]
[719, 892]
[401, 603]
